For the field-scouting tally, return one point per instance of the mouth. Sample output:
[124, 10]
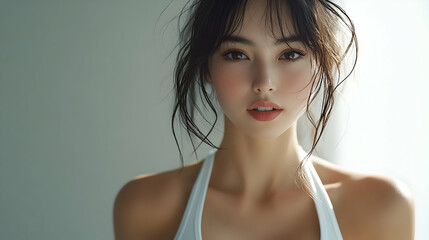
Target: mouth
[264, 106]
[262, 109]
[264, 115]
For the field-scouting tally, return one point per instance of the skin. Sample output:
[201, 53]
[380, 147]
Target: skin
[251, 192]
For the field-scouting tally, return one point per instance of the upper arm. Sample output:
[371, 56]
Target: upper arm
[389, 208]
[135, 212]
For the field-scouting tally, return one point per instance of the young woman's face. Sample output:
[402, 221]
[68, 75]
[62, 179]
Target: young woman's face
[252, 67]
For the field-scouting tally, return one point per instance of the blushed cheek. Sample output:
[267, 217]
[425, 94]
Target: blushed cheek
[228, 86]
[295, 81]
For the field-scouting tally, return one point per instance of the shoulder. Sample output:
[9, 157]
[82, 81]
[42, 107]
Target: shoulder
[146, 205]
[384, 206]
[370, 206]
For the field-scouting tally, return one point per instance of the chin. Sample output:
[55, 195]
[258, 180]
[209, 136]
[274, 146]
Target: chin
[266, 134]
[263, 130]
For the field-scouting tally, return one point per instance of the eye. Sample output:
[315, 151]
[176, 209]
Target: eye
[292, 55]
[235, 55]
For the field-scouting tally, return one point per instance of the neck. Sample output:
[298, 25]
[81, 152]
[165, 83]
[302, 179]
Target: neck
[255, 169]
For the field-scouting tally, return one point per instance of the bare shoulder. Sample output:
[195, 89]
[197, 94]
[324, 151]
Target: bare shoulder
[371, 206]
[146, 206]
[384, 206]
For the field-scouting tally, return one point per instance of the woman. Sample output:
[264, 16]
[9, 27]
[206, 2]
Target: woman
[266, 61]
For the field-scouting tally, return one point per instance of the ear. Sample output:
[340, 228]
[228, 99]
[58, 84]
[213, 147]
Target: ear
[208, 78]
[206, 68]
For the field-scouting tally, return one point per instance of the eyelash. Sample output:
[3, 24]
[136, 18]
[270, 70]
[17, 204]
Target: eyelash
[300, 53]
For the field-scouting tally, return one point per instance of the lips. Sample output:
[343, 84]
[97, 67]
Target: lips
[264, 104]
[264, 115]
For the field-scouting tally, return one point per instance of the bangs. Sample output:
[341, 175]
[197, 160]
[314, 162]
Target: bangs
[281, 17]
[229, 24]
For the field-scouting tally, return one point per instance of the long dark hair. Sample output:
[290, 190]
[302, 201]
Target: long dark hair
[208, 22]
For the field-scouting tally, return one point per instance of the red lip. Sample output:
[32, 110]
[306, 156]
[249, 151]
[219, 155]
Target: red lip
[264, 104]
[264, 115]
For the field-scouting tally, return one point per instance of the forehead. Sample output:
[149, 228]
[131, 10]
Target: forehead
[266, 19]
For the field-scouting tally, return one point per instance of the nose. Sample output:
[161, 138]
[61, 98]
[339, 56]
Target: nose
[263, 79]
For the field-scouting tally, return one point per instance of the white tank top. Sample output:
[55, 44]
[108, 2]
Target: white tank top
[190, 226]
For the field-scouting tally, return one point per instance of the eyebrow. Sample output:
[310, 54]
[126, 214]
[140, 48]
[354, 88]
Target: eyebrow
[238, 39]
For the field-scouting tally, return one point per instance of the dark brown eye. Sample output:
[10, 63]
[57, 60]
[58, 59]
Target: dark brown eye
[235, 55]
[293, 55]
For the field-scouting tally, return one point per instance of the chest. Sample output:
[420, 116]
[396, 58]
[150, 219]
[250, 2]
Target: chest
[291, 217]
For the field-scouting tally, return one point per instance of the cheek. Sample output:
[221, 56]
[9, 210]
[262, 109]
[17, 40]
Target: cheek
[228, 85]
[296, 78]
